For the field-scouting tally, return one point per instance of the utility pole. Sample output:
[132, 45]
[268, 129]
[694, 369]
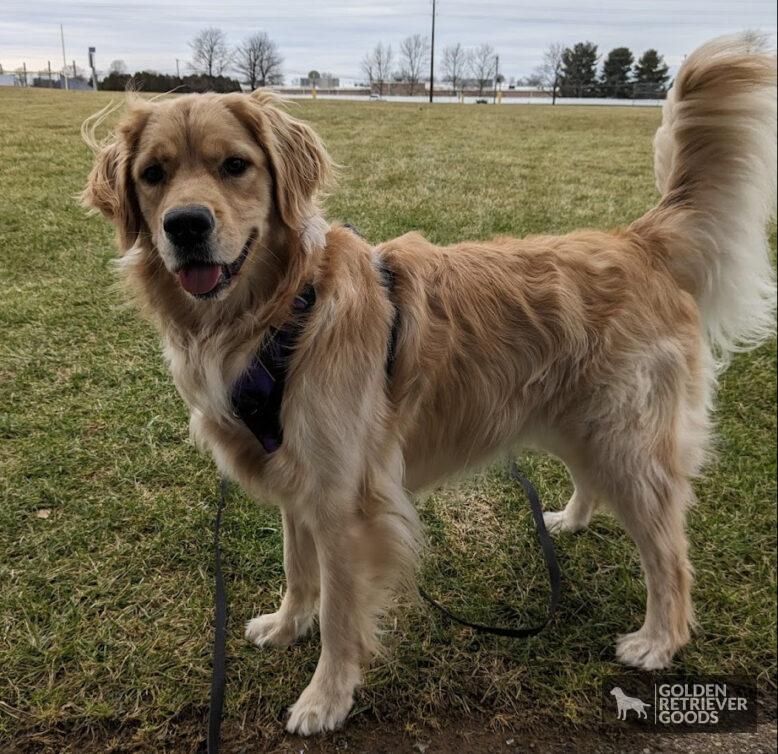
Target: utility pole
[50, 84]
[92, 66]
[496, 74]
[432, 54]
[178, 70]
[64, 59]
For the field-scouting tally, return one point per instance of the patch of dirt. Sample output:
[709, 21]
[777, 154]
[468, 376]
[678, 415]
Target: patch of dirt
[469, 735]
[463, 739]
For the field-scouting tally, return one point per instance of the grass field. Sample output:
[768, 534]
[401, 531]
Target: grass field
[105, 542]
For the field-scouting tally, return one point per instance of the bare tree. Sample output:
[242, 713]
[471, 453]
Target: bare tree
[383, 57]
[210, 54]
[118, 67]
[534, 80]
[258, 61]
[368, 68]
[377, 66]
[483, 66]
[455, 63]
[414, 56]
[547, 74]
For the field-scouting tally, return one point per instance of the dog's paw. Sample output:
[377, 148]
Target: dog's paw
[318, 710]
[276, 629]
[560, 521]
[640, 651]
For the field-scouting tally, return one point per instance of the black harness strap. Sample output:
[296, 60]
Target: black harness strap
[388, 280]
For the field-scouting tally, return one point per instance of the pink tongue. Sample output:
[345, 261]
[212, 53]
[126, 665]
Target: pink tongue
[200, 279]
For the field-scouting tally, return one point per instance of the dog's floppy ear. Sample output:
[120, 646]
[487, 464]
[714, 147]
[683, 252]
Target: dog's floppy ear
[109, 188]
[298, 159]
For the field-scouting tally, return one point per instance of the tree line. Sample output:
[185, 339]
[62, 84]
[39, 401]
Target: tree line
[575, 72]
[256, 61]
[476, 67]
[564, 72]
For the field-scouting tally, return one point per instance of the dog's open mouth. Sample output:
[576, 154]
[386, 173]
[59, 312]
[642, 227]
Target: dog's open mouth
[205, 280]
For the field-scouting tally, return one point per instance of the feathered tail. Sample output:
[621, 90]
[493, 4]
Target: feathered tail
[715, 161]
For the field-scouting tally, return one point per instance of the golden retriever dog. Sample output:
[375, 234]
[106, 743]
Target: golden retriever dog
[599, 347]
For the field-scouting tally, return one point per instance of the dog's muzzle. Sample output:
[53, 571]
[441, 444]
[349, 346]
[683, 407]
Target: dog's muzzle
[204, 278]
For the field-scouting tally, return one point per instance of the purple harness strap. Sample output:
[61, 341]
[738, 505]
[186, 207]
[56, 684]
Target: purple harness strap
[258, 393]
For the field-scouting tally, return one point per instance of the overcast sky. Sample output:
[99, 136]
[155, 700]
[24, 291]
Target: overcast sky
[334, 35]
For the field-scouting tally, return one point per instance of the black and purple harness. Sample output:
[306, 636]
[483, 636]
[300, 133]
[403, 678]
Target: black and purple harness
[257, 395]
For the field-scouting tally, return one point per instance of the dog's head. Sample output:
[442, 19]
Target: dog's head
[205, 181]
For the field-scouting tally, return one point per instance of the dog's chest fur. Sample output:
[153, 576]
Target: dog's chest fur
[204, 370]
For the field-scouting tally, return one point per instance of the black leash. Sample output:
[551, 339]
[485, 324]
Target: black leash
[220, 632]
[549, 554]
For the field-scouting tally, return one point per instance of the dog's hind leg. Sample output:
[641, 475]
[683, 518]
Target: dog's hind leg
[652, 509]
[298, 607]
[643, 444]
[579, 509]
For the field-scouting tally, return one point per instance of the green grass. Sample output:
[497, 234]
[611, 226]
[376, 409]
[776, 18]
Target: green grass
[105, 606]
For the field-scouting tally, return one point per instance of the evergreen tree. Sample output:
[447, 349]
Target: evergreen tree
[616, 74]
[651, 73]
[579, 71]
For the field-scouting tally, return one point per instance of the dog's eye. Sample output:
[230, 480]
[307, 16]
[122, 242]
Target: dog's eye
[153, 174]
[234, 166]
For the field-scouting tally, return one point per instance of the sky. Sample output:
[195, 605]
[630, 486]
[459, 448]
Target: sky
[334, 35]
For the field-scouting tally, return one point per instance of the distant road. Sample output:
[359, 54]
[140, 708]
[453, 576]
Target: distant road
[488, 97]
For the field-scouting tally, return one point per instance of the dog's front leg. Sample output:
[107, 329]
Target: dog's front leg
[347, 622]
[298, 607]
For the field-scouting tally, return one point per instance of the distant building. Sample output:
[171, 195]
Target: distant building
[77, 83]
[58, 82]
[43, 81]
[328, 82]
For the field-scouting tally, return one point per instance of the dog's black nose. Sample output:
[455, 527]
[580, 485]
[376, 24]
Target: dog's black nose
[186, 226]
